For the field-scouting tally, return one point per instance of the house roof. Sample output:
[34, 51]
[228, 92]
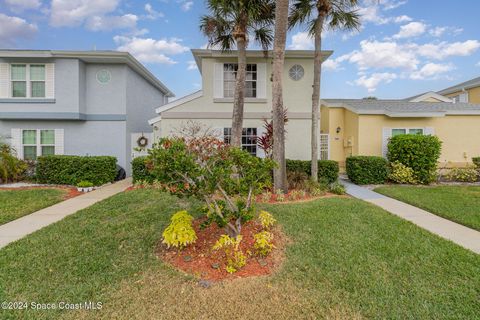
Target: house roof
[475, 82]
[426, 95]
[402, 108]
[198, 54]
[93, 57]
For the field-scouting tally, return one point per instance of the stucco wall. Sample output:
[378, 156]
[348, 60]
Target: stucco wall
[473, 95]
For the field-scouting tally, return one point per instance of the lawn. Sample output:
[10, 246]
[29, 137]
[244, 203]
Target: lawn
[18, 203]
[457, 203]
[346, 260]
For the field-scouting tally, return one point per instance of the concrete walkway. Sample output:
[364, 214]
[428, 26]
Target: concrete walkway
[461, 235]
[23, 226]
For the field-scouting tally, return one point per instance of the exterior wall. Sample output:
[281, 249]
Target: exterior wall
[473, 95]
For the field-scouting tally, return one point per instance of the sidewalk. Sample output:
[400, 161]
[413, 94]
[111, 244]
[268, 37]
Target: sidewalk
[23, 226]
[461, 235]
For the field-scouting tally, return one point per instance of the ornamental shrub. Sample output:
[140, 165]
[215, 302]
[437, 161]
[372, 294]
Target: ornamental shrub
[476, 162]
[401, 174]
[266, 219]
[180, 232]
[327, 169]
[337, 188]
[70, 170]
[263, 244]
[419, 152]
[11, 168]
[468, 174]
[236, 259]
[367, 169]
[140, 170]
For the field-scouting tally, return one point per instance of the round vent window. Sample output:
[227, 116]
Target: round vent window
[296, 72]
[104, 76]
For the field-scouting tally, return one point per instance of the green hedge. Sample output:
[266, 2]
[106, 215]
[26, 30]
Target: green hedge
[140, 171]
[367, 169]
[419, 152]
[476, 162]
[71, 170]
[327, 169]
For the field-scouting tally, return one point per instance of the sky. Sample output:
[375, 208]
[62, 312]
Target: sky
[403, 48]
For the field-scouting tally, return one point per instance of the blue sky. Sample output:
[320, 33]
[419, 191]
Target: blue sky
[404, 47]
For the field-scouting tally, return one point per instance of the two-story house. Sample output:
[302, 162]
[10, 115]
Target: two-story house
[213, 105]
[76, 103]
[468, 91]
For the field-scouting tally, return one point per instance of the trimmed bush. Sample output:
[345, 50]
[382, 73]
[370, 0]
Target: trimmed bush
[419, 152]
[70, 170]
[367, 169]
[401, 173]
[327, 169]
[468, 174]
[476, 162]
[140, 170]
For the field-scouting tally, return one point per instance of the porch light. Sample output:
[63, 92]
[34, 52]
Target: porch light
[339, 129]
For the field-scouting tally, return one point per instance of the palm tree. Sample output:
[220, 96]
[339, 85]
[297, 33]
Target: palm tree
[281, 26]
[318, 14]
[229, 25]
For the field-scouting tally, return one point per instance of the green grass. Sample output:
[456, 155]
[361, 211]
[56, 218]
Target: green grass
[346, 259]
[457, 203]
[18, 203]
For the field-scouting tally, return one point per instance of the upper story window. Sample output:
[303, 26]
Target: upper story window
[230, 75]
[27, 80]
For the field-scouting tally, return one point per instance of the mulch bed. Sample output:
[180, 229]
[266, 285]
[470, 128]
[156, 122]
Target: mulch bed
[203, 262]
[72, 192]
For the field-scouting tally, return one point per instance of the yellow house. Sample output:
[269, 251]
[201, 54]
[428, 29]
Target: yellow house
[468, 91]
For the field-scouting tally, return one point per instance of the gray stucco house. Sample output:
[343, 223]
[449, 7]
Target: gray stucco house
[77, 103]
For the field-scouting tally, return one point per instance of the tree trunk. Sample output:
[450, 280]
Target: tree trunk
[317, 71]
[239, 98]
[281, 20]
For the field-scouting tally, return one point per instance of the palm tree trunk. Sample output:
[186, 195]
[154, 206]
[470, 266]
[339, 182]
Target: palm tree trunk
[281, 20]
[317, 70]
[239, 98]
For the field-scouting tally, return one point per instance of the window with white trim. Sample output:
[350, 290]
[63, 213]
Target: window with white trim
[27, 80]
[37, 143]
[398, 131]
[230, 76]
[249, 139]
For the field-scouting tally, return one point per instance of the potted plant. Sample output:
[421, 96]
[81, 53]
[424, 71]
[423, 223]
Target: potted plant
[85, 186]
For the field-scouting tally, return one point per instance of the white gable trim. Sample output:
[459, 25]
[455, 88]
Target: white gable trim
[433, 95]
[180, 101]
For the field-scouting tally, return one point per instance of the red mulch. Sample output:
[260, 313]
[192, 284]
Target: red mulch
[201, 257]
[72, 192]
[289, 198]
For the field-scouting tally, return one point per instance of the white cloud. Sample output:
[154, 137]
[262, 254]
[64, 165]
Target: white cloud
[150, 50]
[371, 12]
[20, 5]
[187, 5]
[402, 19]
[431, 71]
[371, 82]
[439, 31]
[14, 28]
[478, 64]
[444, 49]
[152, 14]
[389, 5]
[66, 13]
[105, 23]
[192, 65]
[410, 30]
[301, 41]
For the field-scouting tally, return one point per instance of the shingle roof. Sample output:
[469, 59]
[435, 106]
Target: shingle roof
[464, 85]
[402, 108]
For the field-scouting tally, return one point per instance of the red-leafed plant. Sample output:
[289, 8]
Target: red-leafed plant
[265, 141]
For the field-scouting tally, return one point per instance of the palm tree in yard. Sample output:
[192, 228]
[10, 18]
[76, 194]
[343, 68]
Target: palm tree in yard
[229, 25]
[281, 26]
[317, 15]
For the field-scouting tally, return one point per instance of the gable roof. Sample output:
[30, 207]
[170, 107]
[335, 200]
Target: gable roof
[106, 56]
[402, 108]
[475, 82]
[430, 94]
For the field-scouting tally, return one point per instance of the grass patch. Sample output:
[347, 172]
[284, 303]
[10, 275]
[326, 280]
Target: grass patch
[347, 260]
[457, 203]
[18, 203]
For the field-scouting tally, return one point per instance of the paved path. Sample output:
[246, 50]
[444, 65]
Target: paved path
[461, 235]
[23, 226]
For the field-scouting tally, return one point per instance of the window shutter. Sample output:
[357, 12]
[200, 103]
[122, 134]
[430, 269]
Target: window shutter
[16, 142]
[59, 142]
[262, 80]
[50, 80]
[429, 131]
[387, 134]
[260, 152]
[463, 97]
[218, 80]
[4, 81]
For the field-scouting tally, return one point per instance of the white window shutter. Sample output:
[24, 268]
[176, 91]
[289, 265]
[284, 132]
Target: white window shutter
[463, 97]
[386, 135]
[4, 80]
[16, 142]
[218, 80]
[50, 80]
[260, 152]
[429, 131]
[262, 80]
[59, 142]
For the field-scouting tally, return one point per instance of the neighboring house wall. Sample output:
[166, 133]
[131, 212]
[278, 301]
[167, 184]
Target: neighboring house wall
[472, 95]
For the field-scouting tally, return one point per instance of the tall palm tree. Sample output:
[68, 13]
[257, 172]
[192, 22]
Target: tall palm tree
[318, 14]
[229, 25]
[281, 26]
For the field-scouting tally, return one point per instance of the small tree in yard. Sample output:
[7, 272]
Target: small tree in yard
[225, 177]
[265, 141]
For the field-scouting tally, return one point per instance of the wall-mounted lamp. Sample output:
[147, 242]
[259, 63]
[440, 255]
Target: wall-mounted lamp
[339, 129]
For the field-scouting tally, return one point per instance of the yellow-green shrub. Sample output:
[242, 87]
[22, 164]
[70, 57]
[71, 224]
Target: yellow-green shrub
[266, 219]
[400, 173]
[468, 174]
[263, 243]
[180, 232]
[231, 246]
